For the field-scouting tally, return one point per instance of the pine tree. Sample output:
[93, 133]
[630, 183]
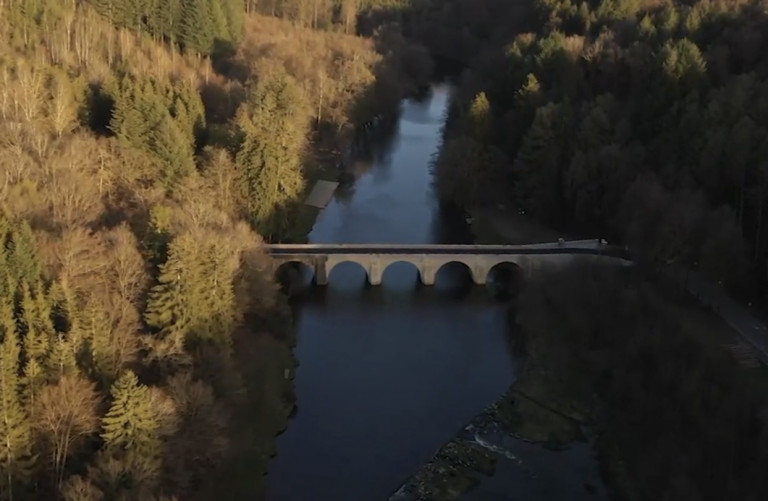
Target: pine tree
[76, 488]
[38, 339]
[194, 298]
[169, 308]
[138, 111]
[170, 146]
[218, 20]
[187, 109]
[480, 118]
[269, 160]
[197, 26]
[15, 437]
[538, 165]
[166, 19]
[22, 254]
[234, 14]
[219, 302]
[63, 359]
[131, 423]
[96, 330]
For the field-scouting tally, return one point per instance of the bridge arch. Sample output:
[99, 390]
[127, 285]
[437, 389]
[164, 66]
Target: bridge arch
[346, 265]
[505, 278]
[293, 275]
[454, 266]
[390, 265]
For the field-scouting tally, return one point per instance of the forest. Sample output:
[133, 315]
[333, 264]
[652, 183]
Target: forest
[644, 122]
[147, 150]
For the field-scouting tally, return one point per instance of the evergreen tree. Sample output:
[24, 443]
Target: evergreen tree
[219, 302]
[63, 359]
[270, 156]
[171, 147]
[194, 297]
[197, 26]
[683, 63]
[234, 14]
[101, 359]
[218, 20]
[131, 424]
[480, 118]
[538, 166]
[170, 308]
[15, 438]
[38, 339]
[137, 112]
[187, 109]
[22, 254]
[142, 118]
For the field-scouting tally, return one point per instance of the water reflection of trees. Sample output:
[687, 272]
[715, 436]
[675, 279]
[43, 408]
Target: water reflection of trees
[450, 226]
[371, 146]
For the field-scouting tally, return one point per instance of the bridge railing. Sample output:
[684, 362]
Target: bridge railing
[592, 244]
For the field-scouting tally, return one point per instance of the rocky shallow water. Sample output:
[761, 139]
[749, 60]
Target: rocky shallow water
[487, 460]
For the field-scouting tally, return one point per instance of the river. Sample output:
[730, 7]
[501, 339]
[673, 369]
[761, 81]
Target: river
[388, 374]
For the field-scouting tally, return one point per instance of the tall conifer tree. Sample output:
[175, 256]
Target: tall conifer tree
[15, 438]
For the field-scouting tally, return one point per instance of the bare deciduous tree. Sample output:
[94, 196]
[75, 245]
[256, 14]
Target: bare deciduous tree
[64, 414]
[126, 265]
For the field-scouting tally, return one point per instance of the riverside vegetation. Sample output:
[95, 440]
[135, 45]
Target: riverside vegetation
[146, 353]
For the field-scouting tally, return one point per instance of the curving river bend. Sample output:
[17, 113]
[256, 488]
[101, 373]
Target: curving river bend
[388, 374]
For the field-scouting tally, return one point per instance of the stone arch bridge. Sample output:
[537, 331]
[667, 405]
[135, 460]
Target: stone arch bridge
[429, 258]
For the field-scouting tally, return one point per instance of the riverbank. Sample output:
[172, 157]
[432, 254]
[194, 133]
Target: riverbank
[266, 366]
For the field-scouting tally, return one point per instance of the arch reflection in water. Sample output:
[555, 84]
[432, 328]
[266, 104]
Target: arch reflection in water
[347, 276]
[505, 280]
[401, 276]
[454, 279]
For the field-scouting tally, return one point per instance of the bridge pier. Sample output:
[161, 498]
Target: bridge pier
[427, 274]
[375, 273]
[480, 274]
[321, 273]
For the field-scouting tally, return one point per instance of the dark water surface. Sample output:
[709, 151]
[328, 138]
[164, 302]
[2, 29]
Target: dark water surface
[388, 374]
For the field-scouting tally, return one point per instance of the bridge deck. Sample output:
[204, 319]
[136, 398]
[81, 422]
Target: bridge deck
[572, 247]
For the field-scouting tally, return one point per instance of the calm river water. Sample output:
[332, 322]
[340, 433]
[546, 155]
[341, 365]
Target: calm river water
[388, 374]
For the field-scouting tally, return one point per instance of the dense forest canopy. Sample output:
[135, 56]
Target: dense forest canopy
[643, 121]
[145, 351]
